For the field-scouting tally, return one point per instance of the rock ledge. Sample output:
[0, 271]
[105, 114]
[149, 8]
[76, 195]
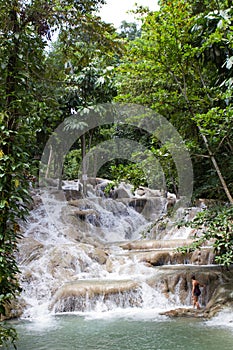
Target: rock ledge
[186, 312]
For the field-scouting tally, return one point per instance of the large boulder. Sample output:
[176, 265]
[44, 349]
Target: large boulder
[221, 298]
[175, 283]
[85, 294]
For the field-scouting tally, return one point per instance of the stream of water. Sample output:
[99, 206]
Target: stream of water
[54, 254]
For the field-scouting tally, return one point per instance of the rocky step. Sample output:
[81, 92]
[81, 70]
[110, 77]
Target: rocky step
[164, 252]
[166, 257]
[186, 312]
[171, 257]
[155, 244]
[82, 295]
[171, 281]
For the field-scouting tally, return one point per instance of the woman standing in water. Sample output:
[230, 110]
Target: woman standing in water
[196, 291]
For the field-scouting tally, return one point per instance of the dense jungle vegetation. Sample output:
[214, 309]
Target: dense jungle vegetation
[57, 57]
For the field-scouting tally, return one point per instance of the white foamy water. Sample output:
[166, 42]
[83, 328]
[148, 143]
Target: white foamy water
[223, 319]
[51, 253]
[60, 249]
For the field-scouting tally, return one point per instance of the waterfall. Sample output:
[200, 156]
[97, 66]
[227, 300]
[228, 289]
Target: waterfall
[73, 259]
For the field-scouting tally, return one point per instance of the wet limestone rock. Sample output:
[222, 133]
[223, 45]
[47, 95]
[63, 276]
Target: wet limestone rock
[29, 250]
[14, 309]
[222, 298]
[164, 252]
[84, 294]
[155, 244]
[151, 207]
[216, 295]
[161, 257]
[185, 312]
[202, 257]
[99, 255]
[71, 194]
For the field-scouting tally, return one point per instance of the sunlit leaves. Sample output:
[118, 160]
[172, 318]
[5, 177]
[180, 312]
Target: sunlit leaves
[216, 225]
[181, 66]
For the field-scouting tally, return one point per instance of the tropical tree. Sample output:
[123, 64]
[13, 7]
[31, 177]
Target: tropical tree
[88, 77]
[170, 68]
[91, 87]
[129, 30]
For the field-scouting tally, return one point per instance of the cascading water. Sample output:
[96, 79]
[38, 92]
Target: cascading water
[71, 259]
[92, 281]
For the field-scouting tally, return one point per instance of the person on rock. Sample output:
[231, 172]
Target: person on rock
[196, 292]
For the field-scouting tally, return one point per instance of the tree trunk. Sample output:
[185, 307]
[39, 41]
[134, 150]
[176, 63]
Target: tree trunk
[215, 164]
[217, 168]
[49, 162]
[84, 170]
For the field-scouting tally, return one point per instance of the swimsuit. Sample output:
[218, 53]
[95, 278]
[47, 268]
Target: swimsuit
[197, 291]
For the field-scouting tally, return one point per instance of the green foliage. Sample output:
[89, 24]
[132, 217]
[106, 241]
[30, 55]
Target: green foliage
[110, 186]
[129, 30]
[13, 206]
[190, 248]
[216, 225]
[90, 86]
[181, 66]
[89, 52]
[168, 167]
[8, 336]
[72, 164]
[131, 173]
